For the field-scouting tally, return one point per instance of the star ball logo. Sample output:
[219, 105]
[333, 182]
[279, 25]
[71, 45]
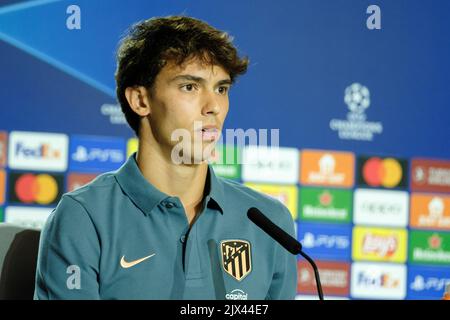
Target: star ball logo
[355, 127]
[35, 188]
[382, 172]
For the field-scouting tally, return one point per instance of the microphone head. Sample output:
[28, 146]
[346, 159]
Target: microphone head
[278, 234]
[284, 239]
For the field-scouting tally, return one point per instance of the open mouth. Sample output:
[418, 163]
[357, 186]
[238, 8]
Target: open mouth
[210, 134]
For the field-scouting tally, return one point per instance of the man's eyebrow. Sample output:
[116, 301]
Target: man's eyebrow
[198, 79]
[225, 81]
[187, 77]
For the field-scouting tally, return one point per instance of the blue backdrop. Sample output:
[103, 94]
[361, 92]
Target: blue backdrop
[304, 55]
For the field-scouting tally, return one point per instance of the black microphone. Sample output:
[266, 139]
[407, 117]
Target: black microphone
[283, 238]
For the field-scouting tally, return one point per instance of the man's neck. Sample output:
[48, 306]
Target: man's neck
[186, 182]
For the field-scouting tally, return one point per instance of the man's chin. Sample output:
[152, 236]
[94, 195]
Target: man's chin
[198, 154]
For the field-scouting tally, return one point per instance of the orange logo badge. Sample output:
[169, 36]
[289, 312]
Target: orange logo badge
[327, 168]
[2, 186]
[430, 211]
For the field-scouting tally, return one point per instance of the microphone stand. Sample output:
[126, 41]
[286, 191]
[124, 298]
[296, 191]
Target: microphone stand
[316, 273]
[283, 238]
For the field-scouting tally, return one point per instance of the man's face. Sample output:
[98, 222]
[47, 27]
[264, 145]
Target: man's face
[189, 103]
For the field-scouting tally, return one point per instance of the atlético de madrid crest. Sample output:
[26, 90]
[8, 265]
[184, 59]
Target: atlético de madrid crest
[236, 258]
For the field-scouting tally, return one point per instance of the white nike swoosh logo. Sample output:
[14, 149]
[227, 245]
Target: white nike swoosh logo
[124, 264]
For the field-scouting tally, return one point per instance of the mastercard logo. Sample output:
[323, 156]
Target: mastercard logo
[32, 188]
[387, 172]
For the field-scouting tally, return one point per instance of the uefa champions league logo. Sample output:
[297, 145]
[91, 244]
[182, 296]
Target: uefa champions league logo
[357, 99]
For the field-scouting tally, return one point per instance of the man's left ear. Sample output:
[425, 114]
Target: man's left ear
[138, 100]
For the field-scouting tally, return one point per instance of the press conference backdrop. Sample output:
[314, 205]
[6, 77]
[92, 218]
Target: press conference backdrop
[359, 91]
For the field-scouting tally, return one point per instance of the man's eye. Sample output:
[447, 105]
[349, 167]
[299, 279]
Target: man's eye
[188, 87]
[223, 90]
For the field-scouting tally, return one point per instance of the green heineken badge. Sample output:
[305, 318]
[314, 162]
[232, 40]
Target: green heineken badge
[429, 247]
[331, 205]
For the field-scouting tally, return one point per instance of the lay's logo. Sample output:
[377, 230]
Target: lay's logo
[377, 244]
[38, 151]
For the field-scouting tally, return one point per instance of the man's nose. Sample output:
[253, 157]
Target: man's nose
[211, 104]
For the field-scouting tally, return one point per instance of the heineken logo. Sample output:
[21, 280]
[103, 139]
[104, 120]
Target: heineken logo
[325, 204]
[325, 198]
[435, 241]
[429, 247]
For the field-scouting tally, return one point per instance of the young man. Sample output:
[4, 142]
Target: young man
[164, 226]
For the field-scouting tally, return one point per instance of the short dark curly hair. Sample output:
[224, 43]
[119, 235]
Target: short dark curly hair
[151, 43]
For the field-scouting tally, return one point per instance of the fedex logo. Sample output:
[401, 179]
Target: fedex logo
[38, 151]
[382, 280]
[325, 241]
[426, 282]
[378, 280]
[43, 151]
[99, 154]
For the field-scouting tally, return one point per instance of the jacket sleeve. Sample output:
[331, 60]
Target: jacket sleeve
[284, 281]
[69, 255]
